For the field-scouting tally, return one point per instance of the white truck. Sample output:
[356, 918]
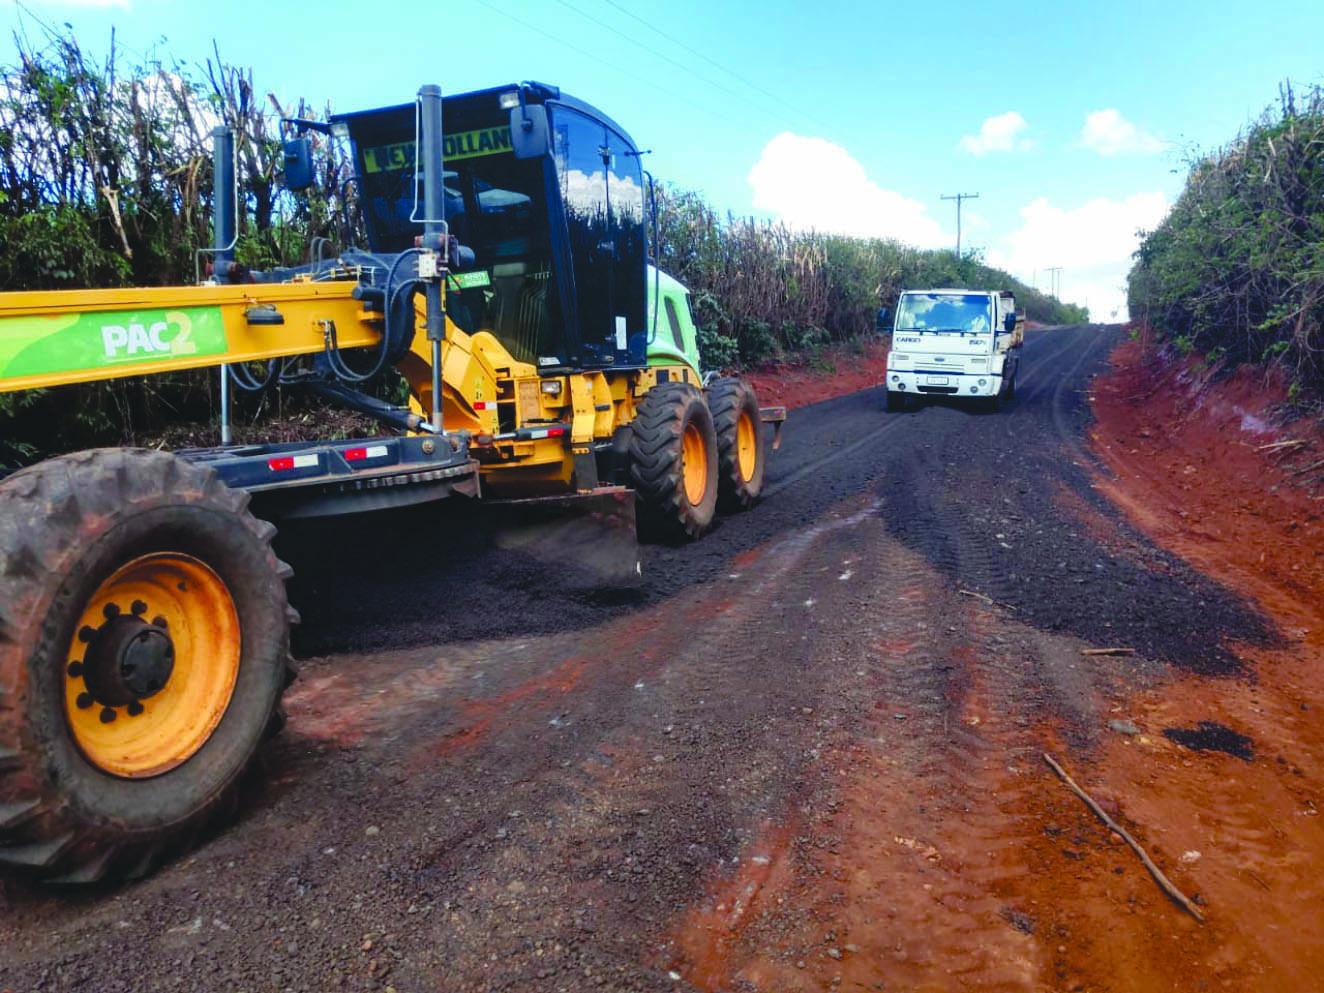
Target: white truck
[963, 344]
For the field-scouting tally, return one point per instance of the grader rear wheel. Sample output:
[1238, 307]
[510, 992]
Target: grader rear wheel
[144, 647]
[740, 451]
[673, 462]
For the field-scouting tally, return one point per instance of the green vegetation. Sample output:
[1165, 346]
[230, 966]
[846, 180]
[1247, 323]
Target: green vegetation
[1237, 269]
[105, 180]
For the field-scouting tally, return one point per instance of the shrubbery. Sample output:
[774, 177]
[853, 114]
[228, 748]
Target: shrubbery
[1237, 268]
[105, 180]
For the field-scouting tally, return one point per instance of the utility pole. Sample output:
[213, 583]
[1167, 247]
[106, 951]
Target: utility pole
[958, 197]
[1055, 280]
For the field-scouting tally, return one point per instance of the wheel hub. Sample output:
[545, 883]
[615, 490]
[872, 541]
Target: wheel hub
[127, 661]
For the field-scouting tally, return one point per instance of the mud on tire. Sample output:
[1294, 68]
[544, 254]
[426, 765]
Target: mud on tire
[741, 453]
[69, 529]
[673, 462]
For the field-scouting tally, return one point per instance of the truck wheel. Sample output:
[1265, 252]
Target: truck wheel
[144, 648]
[741, 459]
[673, 461]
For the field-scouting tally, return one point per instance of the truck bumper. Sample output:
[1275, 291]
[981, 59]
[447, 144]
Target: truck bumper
[953, 384]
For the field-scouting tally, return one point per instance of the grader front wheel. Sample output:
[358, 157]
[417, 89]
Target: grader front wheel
[144, 647]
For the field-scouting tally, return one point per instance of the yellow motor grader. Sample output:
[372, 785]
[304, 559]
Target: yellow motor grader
[144, 624]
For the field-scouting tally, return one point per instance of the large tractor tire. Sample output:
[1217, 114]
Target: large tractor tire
[741, 458]
[673, 462]
[144, 648]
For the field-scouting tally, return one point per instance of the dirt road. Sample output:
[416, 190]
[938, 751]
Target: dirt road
[806, 756]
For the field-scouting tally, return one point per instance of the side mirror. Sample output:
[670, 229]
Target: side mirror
[298, 170]
[530, 136]
[884, 315]
[1009, 322]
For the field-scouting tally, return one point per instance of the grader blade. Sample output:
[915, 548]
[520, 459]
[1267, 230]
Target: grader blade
[587, 540]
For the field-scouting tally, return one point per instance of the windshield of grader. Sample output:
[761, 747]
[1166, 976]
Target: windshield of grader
[494, 205]
[965, 312]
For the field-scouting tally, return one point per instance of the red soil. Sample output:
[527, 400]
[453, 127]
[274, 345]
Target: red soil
[1190, 467]
[837, 372]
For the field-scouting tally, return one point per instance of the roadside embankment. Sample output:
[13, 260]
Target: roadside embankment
[1213, 469]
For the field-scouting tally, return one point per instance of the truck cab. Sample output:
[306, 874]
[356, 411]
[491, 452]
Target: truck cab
[963, 344]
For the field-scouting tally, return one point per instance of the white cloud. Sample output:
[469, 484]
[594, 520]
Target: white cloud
[813, 183]
[998, 134]
[1093, 243]
[1109, 133]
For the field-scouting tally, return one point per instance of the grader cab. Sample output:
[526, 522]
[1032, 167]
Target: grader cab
[144, 624]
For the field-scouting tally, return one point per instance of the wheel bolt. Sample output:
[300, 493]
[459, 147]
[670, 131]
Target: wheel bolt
[138, 608]
[135, 708]
[75, 670]
[111, 610]
[84, 701]
[107, 715]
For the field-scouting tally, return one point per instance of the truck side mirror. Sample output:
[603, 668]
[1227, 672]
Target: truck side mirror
[1009, 322]
[884, 315]
[298, 153]
[530, 137]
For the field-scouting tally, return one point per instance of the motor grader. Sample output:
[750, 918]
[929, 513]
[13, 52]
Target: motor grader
[144, 623]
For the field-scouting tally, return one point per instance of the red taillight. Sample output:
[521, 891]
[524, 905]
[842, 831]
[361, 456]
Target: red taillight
[555, 432]
[280, 465]
[355, 454]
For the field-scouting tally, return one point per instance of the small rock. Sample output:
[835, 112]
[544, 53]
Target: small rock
[1191, 856]
[834, 953]
[372, 831]
[1124, 727]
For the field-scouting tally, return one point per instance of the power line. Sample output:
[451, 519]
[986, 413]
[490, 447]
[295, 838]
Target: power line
[632, 74]
[959, 197]
[652, 51]
[712, 62]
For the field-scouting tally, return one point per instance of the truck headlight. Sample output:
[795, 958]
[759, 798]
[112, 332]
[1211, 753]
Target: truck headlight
[552, 387]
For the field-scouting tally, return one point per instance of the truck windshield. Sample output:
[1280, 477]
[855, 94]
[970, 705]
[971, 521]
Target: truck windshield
[963, 312]
[495, 204]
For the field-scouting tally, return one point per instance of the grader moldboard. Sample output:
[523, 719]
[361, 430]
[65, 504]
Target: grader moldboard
[144, 623]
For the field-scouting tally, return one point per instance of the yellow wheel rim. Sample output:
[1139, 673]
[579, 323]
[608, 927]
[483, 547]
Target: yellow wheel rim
[152, 665]
[694, 458]
[747, 446]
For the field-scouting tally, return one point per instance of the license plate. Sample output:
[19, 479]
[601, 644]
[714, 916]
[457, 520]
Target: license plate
[935, 381]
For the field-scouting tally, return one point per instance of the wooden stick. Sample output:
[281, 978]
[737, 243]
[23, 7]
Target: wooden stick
[1164, 882]
[1107, 651]
[987, 599]
[1274, 446]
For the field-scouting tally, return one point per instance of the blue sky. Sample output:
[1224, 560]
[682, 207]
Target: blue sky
[1072, 121]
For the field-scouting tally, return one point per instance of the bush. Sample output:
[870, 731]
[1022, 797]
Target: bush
[1239, 263]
